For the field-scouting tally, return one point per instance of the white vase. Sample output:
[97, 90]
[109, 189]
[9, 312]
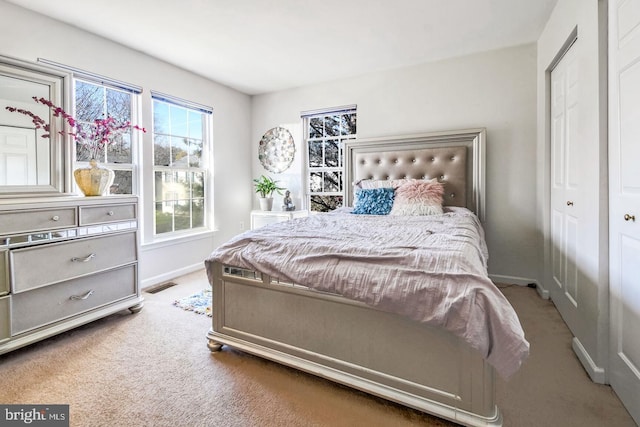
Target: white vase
[266, 203]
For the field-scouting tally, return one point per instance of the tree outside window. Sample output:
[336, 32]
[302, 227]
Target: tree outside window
[326, 134]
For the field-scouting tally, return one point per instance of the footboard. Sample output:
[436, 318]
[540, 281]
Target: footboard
[353, 344]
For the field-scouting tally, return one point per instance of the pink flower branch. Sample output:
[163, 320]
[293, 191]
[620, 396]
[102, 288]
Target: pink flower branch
[101, 133]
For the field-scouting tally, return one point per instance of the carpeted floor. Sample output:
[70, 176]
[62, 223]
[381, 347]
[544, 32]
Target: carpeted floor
[154, 369]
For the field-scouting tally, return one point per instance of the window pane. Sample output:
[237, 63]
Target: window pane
[197, 184]
[182, 215]
[95, 101]
[164, 218]
[83, 154]
[158, 185]
[119, 105]
[120, 150]
[89, 101]
[197, 212]
[315, 128]
[349, 124]
[315, 153]
[325, 162]
[325, 203]
[160, 117]
[195, 152]
[332, 181]
[315, 181]
[178, 121]
[179, 152]
[195, 124]
[122, 183]
[161, 150]
[182, 185]
[332, 125]
[332, 153]
[180, 136]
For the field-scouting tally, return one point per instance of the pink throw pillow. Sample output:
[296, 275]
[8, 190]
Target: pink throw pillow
[418, 197]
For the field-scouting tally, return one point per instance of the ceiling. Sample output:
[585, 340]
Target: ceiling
[260, 46]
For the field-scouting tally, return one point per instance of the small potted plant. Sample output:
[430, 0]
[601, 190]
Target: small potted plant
[265, 187]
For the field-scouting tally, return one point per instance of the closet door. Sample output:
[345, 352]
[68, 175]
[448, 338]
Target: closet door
[566, 198]
[624, 198]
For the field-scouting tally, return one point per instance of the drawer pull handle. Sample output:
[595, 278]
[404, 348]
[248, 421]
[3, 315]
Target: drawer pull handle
[85, 259]
[81, 297]
[110, 213]
[55, 218]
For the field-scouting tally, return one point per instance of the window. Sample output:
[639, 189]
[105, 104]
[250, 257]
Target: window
[180, 141]
[96, 101]
[325, 133]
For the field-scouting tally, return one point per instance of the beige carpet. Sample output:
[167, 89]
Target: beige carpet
[154, 369]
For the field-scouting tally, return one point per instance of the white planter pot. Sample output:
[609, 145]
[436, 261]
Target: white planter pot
[266, 203]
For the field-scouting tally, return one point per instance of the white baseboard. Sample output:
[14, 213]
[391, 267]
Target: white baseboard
[596, 373]
[165, 277]
[544, 294]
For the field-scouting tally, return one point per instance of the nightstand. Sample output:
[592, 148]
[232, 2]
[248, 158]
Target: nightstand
[262, 218]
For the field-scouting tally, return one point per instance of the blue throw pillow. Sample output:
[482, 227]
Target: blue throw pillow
[373, 201]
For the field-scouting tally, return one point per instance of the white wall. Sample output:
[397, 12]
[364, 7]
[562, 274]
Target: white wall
[28, 36]
[590, 19]
[495, 90]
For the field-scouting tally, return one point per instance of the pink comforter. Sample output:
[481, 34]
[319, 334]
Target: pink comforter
[432, 269]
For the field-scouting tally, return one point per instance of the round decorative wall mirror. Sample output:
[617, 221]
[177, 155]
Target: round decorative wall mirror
[276, 150]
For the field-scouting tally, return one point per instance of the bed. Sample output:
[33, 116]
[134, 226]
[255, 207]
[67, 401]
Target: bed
[317, 319]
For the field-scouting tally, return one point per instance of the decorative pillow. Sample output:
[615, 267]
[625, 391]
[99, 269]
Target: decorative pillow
[373, 201]
[378, 183]
[418, 197]
[381, 183]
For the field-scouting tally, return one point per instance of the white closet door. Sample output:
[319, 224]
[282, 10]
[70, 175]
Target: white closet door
[566, 199]
[624, 197]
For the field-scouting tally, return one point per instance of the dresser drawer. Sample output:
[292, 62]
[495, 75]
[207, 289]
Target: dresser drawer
[4, 318]
[49, 304]
[42, 265]
[15, 222]
[107, 213]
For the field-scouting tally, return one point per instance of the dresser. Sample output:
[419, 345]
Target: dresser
[65, 261]
[262, 218]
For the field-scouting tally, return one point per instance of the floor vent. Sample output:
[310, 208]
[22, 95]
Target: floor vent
[159, 288]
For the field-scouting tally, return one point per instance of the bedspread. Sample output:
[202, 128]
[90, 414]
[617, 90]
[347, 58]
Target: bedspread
[432, 269]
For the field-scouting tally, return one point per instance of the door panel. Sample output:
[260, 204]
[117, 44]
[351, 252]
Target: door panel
[567, 162]
[630, 129]
[624, 200]
[571, 254]
[629, 344]
[557, 254]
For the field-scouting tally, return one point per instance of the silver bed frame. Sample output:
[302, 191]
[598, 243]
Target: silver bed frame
[349, 342]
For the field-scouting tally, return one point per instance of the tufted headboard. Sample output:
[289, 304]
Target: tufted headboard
[456, 158]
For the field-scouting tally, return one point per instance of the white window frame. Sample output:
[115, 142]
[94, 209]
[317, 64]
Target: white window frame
[205, 167]
[307, 116]
[134, 118]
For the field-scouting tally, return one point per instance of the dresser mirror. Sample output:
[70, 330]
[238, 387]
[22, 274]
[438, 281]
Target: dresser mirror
[31, 165]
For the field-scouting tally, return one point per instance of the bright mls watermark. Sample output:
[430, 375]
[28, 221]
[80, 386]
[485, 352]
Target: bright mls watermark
[34, 415]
